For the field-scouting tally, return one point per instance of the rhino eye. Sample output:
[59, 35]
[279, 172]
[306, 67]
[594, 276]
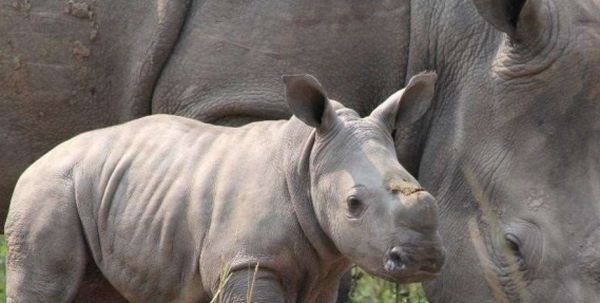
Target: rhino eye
[514, 248]
[508, 256]
[514, 244]
[355, 206]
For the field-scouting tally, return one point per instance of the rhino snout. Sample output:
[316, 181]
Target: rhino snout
[418, 212]
[414, 265]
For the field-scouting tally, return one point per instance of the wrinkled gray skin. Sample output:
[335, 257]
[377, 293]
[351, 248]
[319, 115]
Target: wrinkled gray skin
[68, 68]
[163, 204]
[512, 146]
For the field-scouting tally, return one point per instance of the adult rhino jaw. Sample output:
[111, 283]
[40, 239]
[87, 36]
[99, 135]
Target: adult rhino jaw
[155, 209]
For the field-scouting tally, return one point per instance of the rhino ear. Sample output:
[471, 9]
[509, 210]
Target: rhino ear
[308, 102]
[409, 104]
[522, 20]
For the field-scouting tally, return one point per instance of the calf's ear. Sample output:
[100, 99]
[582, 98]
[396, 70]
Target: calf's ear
[308, 102]
[409, 104]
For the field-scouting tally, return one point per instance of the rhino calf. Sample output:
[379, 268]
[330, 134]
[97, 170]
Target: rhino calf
[155, 209]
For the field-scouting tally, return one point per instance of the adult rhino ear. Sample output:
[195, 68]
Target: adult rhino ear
[522, 20]
[409, 104]
[308, 102]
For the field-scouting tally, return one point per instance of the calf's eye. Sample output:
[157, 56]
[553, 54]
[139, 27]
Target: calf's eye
[355, 206]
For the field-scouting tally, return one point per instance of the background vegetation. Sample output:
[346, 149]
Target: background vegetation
[368, 289]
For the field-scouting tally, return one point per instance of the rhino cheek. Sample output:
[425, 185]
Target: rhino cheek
[566, 285]
[589, 259]
[364, 242]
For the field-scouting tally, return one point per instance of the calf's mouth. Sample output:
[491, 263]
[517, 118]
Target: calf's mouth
[404, 265]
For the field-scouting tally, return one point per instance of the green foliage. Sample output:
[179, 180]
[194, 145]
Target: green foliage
[368, 289]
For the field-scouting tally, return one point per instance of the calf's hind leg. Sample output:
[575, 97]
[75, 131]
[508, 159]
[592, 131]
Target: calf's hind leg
[46, 248]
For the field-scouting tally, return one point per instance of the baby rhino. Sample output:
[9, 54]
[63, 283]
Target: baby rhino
[169, 209]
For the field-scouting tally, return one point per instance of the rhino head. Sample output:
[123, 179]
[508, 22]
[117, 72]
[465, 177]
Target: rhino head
[376, 214]
[513, 151]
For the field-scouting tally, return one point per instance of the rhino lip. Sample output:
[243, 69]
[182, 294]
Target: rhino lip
[397, 263]
[396, 267]
[398, 272]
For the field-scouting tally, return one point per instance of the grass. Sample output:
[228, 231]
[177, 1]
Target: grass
[366, 288]
[369, 289]
[225, 275]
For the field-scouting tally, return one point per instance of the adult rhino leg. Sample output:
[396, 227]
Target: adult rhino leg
[46, 248]
[264, 287]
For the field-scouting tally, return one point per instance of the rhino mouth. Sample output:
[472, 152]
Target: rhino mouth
[405, 277]
[403, 267]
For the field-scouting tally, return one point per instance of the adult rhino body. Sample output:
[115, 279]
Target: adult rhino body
[163, 205]
[512, 147]
[71, 66]
[225, 66]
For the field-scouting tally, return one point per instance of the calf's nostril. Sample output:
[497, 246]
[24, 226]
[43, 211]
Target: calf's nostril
[396, 260]
[397, 255]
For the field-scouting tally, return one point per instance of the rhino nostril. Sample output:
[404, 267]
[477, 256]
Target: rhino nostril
[396, 253]
[396, 260]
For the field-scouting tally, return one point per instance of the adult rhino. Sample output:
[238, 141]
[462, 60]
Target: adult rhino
[511, 148]
[71, 66]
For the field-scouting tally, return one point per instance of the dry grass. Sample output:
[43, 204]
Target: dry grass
[225, 276]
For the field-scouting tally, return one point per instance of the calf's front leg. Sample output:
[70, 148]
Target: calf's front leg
[266, 287]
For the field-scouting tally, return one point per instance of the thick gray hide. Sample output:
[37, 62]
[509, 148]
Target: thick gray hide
[71, 66]
[226, 64]
[162, 205]
[512, 150]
